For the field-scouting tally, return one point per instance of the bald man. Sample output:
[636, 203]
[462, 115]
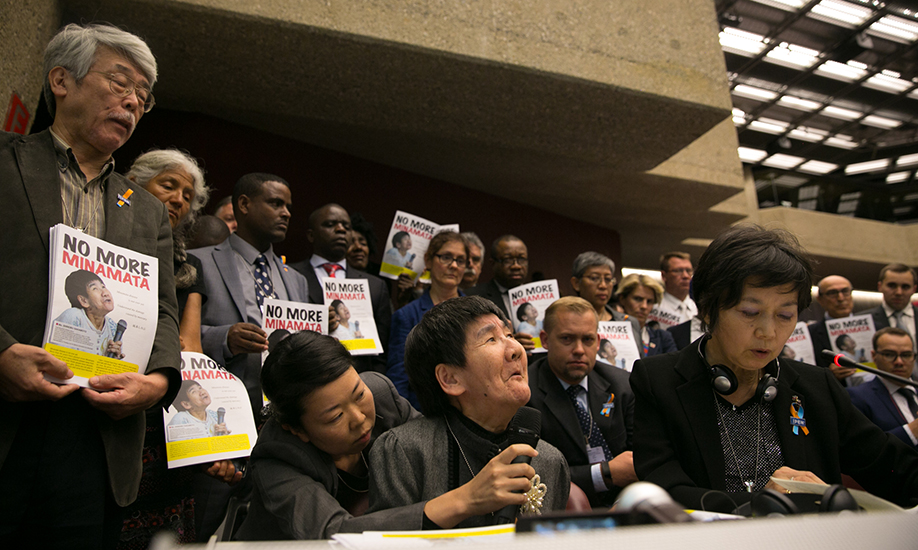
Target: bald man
[330, 235]
[834, 295]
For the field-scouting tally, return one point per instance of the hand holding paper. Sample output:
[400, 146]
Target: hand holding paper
[22, 370]
[121, 395]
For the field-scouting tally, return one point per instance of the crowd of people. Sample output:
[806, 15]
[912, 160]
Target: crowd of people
[421, 436]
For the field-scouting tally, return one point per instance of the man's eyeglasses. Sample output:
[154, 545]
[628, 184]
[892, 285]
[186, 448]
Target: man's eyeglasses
[509, 261]
[596, 279]
[123, 86]
[836, 292]
[447, 260]
[889, 355]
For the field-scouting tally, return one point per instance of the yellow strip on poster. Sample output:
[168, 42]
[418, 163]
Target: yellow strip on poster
[537, 341]
[190, 448]
[395, 270]
[359, 343]
[87, 365]
[450, 533]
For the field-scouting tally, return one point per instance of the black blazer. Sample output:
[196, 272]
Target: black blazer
[682, 334]
[880, 320]
[561, 428]
[490, 291]
[30, 192]
[382, 309]
[677, 442]
[819, 335]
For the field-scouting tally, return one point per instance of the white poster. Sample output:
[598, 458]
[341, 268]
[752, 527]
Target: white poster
[103, 305]
[618, 344]
[527, 308]
[406, 244]
[852, 336]
[799, 346]
[350, 298]
[211, 417]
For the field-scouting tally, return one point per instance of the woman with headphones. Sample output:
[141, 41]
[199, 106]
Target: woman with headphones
[716, 421]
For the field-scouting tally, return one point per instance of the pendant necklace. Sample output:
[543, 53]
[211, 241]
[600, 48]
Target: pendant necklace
[750, 484]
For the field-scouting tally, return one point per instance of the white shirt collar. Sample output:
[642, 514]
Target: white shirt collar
[318, 261]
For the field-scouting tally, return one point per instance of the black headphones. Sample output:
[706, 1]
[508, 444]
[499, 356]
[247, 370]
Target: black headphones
[724, 381]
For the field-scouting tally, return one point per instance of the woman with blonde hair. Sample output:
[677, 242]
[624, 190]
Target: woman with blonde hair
[637, 295]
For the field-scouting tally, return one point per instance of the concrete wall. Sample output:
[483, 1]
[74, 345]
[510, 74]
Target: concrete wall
[26, 28]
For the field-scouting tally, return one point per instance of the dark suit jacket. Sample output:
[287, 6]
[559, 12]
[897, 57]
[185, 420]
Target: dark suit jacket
[879, 316]
[490, 291]
[661, 342]
[561, 428]
[819, 335]
[382, 309]
[873, 399]
[682, 334]
[295, 483]
[30, 193]
[677, 443]
[225, 307]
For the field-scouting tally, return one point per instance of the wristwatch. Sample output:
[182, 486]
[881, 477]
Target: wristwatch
[606, 473]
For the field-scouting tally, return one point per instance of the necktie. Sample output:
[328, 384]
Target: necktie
[897, 319]
[587, 426]
[331, 269]
[263, 287]
[911, 399]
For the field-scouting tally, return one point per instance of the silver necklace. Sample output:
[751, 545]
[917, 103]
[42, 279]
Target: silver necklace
[71, 222]
[750, 484]
[345, 482]
[461, 452]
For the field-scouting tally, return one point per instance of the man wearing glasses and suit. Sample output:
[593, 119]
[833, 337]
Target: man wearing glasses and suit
[69, 457]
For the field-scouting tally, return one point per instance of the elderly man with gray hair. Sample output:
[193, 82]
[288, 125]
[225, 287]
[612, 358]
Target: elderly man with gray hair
[69, 458]
[476, 257]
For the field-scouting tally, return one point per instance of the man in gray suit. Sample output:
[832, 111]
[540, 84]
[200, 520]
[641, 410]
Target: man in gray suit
[68, 458]
[241, 272]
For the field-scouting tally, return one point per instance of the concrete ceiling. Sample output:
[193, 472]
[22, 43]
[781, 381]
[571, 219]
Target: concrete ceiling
[572, 146]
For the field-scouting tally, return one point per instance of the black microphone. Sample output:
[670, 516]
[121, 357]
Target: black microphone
[221, 414]
[642, 496]
[525, 427]
[119, 332]
[843, 360]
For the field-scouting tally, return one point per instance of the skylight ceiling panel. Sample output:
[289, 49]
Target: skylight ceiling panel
[780, 160]
[845, 72]
[894, 28]
[740, 42]
[792, 6]
[793, 56]
[889, 82]
[841, 13]
[817, 167]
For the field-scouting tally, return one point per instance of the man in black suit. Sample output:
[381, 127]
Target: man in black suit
[897, 284]
[69, 457]
[510, 263]
[587, 408]
[330, 235]
[834, 295]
